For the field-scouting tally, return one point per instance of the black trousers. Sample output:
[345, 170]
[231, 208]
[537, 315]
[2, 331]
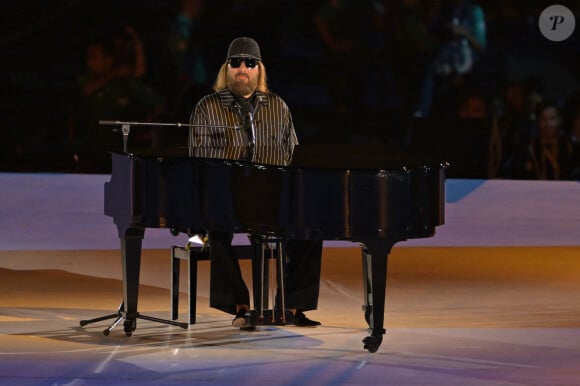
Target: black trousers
[227, 287]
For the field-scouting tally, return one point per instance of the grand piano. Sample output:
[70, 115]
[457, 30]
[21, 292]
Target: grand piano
[373, 195]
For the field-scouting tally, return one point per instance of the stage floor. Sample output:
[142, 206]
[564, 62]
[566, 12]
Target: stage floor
[454, 316]
[492, 299]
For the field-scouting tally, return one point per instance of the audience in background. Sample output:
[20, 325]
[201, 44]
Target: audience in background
[340, 25]
[129, 55]
[572, 125]
[328, 48]
[183, 73]
[183, 58]
[547, 156]
[460, 28]
[409, 45]
[472, 104]
[110, 90]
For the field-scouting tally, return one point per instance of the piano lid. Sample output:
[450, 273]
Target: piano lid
[360, 157]
[336, 156]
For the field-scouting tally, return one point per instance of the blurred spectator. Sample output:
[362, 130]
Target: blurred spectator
[473, 113]
[341, 26]
[184, 78]
[184, 64]
[514, 109]
[99, 67]
[534, 90]
[572, 119]
[548, 155]
[461, 29]
[514, 123]
[472, 104]
[129, 56]
[108, 91]
[408, 47]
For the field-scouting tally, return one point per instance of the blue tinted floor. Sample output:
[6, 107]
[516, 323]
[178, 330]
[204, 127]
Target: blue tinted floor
[467, 316]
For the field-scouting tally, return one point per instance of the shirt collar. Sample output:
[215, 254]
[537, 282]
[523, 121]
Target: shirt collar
[227, 98]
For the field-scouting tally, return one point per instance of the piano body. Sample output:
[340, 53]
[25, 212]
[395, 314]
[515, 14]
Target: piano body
[371, 195]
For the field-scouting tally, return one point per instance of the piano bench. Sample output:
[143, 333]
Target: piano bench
[192, 255]
[260, 275]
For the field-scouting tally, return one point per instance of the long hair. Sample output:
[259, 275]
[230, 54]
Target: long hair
[221, 80]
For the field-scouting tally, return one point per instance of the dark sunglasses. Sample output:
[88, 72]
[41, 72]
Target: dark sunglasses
[237, 62]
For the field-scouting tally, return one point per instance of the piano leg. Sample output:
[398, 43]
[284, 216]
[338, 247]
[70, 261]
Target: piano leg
[131, 239]
[131, 258]
[374, 255]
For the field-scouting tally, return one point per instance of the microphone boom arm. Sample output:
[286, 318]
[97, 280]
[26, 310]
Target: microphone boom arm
[126, 127]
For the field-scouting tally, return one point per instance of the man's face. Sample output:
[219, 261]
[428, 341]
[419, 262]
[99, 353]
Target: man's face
[242, 81]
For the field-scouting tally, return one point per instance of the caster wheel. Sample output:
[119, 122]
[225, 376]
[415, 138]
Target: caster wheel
[83, 323]
[372, 343]
[129, 326]
[106, 332]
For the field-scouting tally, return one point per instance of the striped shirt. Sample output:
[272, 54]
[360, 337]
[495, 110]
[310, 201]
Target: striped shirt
[274, 130]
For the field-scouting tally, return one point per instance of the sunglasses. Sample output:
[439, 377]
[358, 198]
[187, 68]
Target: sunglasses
[237, 62]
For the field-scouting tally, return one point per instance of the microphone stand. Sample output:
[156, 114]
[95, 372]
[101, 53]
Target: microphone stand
[252, 129]
[126, 127]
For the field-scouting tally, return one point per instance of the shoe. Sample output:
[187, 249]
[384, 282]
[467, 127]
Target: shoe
[244, 321]
[300, 320]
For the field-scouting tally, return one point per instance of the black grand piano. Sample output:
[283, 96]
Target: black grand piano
[369, 194]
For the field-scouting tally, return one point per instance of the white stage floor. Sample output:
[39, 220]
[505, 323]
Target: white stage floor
[500, 309]
[65, 211]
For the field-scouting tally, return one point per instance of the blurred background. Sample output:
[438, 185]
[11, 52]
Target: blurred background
[465, 81]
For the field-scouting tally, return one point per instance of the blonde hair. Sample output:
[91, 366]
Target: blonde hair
[221, 80]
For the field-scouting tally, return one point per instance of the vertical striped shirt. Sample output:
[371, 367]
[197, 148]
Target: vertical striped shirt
[220, 125]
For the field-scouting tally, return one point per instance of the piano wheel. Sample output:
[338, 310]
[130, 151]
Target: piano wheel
[129, 326]
[372, 343]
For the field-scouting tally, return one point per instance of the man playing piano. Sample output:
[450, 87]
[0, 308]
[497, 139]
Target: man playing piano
[242, 100]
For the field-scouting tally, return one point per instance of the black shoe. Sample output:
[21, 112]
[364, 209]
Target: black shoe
[300, 320]
[243, 320]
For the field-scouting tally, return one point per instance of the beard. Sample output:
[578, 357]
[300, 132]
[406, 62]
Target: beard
[240, 86]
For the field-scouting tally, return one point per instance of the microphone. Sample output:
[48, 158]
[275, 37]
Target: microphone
[243, 107]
